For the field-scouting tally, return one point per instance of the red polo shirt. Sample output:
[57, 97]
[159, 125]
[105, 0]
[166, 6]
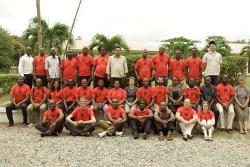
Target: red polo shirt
[116, 113]
[192, 94]
[100, 63]
[69, 94]
[146, 93]
[69, 67]
[84, 64]
[186, 113]
[82, 114]
[37, 94]
[224, 92]
[205, 116]
[178, 67]
[52, 116]
[87, 92]
[117, 93]
[100, 94]
[161, 93]
[144, 67]
[39, 62]
[161, 64]
[194, 66]
[20, 92]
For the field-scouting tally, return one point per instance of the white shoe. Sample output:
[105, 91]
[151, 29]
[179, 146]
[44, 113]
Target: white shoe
[31, 125]
[119, 134]
[102, 134]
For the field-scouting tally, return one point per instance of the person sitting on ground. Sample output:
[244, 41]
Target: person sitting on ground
[56, 94]
[131, 95]
[161, 93]
[69, 99]
[52, 122]
[164, 121]
[84, 120]
[206, 120]
[19, 97]
[175, 95]
[116, 117]
[140, 119]
[117, 93]
[225, 96]
[38, 99]
[84, 91]
[187, 118]
[193, 93]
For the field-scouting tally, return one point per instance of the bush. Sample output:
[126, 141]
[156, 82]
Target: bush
[6, 82]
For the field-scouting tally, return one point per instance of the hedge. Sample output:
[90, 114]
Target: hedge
[6, 82]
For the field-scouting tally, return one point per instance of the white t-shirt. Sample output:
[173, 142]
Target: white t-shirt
[53, 66]
[213, 61]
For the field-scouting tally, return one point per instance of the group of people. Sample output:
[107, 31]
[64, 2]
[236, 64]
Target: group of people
[62, 96]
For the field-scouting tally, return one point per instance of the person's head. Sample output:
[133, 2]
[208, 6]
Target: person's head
[160, 81]
[52, 105]
[84, 82]
[53, 51]
[85, 50]
[100, 83]
[69, 54]
[191, 82]
[20, 80]
[83, 102]
[131, 81]
[224, 79]
[242, 80]
[205, 106]
[144, 53]
[161, 50]
[163, 106]
[70, 83]
[142, 104]
[118, 51]
[39, 82]
[194, 51]
[55, 85]
[212, 46]
[145, 81]
[102, 50]
[41, 51]
[28, 51]
[207, 80]
[187, 103]
[115, 103]
[116, 84]
[177, 54]
[174, 81]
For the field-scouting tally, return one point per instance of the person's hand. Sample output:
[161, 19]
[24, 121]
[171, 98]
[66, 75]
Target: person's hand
[75, 124]
[36, 105]
[208, 126]
[34, 77]
[163, 122]
[80, 122]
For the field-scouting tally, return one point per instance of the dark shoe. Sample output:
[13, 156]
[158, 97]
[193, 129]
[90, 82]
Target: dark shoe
[230, 131]
[185, 138]
[189, 136]
[170, 137]
[11, 124]
[136, 136]
[25, 123]
[87, 134]
[222, 129]
[145, 136]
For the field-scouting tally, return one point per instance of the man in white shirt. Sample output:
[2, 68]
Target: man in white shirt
[117, 68]
[212, 61]
[52, 66]
[25, 67]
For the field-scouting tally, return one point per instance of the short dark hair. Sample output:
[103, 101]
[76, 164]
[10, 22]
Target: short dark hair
[212, 42]
[118, 47]
[101, 46]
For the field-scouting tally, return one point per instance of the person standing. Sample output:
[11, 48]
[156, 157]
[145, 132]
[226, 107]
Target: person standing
[69, 67]
[39, 67]
[117, 68]
[25, 67]
[212, 61]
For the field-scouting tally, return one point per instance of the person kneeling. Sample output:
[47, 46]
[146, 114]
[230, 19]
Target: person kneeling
[116, 116]
[52, 122]
[206, 120]
[187, 118]
[84, 123]
[165, 121]
[140, 120]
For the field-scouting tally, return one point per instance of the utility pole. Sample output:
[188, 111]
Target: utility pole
[39, 24]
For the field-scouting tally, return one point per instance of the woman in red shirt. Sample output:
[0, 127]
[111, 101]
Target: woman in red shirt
[56, 94]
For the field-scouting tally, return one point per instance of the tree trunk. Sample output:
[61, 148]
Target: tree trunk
[39, 25]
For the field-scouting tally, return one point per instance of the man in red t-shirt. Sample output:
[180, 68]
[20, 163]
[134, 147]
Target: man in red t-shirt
[177, 68]
[117, 93]
[52, 122]
[160, 92]
[161, 63]
[84, 120]
[84, 91]
[84, 66]
[38, 99]
[69, 67]
[100, 65]
[39, 67]
[116, 117]
[141, 120]
[225, 96]
[69, 97]
[19, 97]
[144, 68]
[187, 118]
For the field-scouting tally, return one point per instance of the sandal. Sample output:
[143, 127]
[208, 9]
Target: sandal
[242, 131]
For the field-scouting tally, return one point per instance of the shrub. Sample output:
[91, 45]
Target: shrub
[6, 82]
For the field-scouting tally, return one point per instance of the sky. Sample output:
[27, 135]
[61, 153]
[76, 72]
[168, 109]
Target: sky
[137, 20]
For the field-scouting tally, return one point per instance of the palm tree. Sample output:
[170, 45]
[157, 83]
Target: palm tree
[246, 52]
[39, 23]
[109, 43]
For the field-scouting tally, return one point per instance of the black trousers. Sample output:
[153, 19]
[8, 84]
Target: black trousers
[96, 79]
[140, 127]
[28, 79]
[44, 79]
[80, 129]
[44, 128]
[214, 79]
[11, 107]
[216, 113]
[165, 129]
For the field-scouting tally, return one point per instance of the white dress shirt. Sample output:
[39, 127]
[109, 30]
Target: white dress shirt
[25, 65]
[52, 64]
[117, 67]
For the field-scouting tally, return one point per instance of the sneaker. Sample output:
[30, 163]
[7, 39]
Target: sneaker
[31, 125]
[185, 138]
[145, 136]
[170, 137]
[119, 134]
[210, 139]
[206, 138]
[136, 136]
[102, 134]
[189, 136]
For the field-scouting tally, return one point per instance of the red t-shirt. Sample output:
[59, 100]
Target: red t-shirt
[205, 116]
[69, 69]
[52, 116]
[192, 94]
[144, 67]
[117, 93]
[39, 62]
[69, 93]
[116, 113]
[81, 114]
[224, 92]
[178, 67]
[20, 92]
[194, 66]
[37, 94]
[161, 93]
[87, 93]
[56, 95]
[136, 112]
[161, 64]
[146, 93]
[100, 63]
[84, 64]
[186, 113]
[100, 94]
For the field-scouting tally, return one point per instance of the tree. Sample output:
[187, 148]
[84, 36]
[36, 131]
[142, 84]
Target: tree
[221, 45]
[109, 43]
[39, 23]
